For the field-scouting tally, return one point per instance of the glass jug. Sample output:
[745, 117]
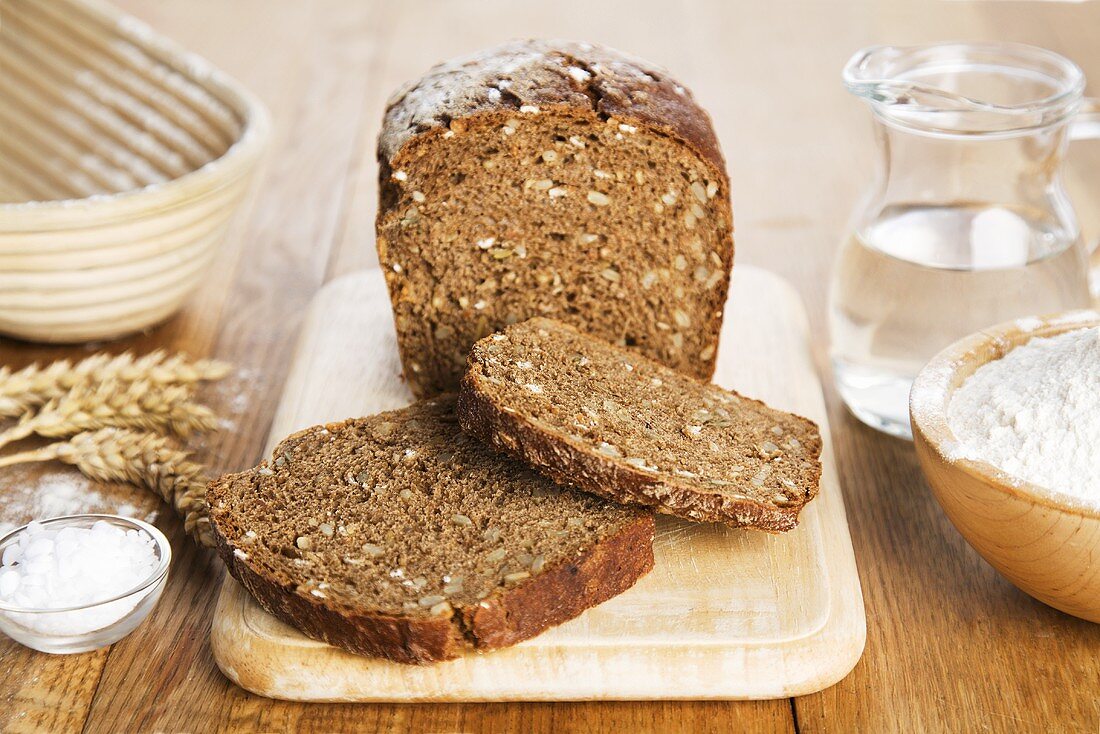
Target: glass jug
[966, 223]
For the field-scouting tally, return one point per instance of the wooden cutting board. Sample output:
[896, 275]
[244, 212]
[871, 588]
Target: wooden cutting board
[725, 614]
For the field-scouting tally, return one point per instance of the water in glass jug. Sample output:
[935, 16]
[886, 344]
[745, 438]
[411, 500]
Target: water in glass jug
[966, 223]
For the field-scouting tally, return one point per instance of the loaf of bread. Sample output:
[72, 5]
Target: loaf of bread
[398, 536]
[627, 428]
[552, 179]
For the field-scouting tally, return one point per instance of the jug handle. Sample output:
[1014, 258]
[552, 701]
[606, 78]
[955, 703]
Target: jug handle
[1086, 126]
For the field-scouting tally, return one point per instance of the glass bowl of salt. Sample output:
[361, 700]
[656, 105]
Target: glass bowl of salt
[81, 582]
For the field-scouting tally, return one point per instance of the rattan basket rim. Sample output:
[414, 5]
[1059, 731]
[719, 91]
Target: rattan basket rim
[147, 201]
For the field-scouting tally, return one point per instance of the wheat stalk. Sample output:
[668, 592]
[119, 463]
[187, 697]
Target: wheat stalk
[144, 459]
[89, 406]
[35, 385]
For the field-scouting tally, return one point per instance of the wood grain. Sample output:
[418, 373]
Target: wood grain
[776, 614]
[951, 645]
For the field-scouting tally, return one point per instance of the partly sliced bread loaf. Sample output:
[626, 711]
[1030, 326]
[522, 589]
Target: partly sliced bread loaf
[621, 426]
[558, 179]
[399, 536]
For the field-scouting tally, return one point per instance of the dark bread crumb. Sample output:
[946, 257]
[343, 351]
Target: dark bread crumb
[552, 179]
[399, 536]
[625, 427]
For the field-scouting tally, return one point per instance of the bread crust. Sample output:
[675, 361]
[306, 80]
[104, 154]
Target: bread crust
[564, 78]
[568, 462]
[537, 72]
[562, 591]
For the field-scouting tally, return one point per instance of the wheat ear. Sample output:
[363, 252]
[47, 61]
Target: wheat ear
[35, 385]
[89, 406]
[144, 459]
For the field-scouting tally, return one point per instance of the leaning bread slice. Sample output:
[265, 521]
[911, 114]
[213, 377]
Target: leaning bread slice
[625, 427]
[398, 536]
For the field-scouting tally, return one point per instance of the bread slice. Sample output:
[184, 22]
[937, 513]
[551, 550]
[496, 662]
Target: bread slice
[624, 427]
[398, 536]
[558, 179]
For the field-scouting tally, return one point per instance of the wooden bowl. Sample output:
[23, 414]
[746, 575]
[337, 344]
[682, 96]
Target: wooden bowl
[1042, 539]
[122, 161]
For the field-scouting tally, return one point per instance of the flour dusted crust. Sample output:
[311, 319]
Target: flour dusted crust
[549, 73]
[557, 179]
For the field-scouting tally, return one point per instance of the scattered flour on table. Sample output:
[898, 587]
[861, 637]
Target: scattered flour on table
[231, 397]
[1035, 413]
[28, 492]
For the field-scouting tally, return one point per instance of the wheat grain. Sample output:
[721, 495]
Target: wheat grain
[118, 404]
[35, 385]
[144, 459]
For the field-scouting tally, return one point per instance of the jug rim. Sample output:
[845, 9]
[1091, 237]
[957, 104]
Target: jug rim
[887, 78]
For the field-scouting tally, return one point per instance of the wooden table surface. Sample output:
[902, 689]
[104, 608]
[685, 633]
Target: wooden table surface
[950, 645]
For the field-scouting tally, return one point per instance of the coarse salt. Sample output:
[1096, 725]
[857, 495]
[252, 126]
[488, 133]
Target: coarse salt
[1035, 414]
[48, 568]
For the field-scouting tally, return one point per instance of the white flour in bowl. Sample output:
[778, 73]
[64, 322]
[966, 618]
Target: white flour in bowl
[1035, 413]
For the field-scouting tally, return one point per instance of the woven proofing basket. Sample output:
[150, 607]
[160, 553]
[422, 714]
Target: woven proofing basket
[122, 159]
